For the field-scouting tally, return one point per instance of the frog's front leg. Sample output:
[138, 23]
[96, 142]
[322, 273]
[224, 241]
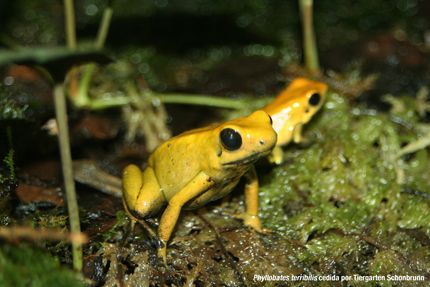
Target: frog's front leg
[276, 156]
[199, 184]
[250, 216]
[297, 136]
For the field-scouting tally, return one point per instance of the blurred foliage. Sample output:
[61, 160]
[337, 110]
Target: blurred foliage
[46, 56]
[166, 30]
[40, 22]
[9, 108]
[7, 175]
[26, 266]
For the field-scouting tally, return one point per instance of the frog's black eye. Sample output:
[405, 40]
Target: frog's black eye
[231, 139]
[314, 99]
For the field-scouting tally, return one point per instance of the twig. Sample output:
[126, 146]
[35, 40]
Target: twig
[87, 172]
[66, 162]
[22, 232]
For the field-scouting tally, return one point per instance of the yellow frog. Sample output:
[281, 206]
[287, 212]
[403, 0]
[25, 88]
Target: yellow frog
[196, 167]
[293, 108]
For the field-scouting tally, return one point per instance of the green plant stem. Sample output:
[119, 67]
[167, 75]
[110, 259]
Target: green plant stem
[100, 104]
[201, 100]
[309, 41]
[104, 28]
[82, 98]
[66, 162]
[182, 99]
[69, 12]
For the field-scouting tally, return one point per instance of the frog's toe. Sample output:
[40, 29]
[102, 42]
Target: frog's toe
[275, 160]
[252, 221]
[265, 231]
[156, 243]
[162, 253]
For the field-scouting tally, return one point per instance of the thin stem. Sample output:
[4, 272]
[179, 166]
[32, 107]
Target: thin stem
[82, 98]
[200, 100]
[309, 41]
[104, 28]
[182, 99]
[69, 12]
[100, 104]
[66, 162]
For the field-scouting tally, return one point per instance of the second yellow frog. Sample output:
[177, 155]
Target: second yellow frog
[293, 108]
[199, 166]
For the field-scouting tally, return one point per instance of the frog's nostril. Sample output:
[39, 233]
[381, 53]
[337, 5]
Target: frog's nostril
[262, 142]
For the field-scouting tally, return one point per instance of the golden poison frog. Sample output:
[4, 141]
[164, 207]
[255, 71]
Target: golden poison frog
[293, 108]
[196, 167]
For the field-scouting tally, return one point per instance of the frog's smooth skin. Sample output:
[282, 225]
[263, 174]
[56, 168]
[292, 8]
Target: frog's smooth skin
[199, 166]
[293, 108]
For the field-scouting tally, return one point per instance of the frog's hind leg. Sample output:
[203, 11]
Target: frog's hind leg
[142, 196]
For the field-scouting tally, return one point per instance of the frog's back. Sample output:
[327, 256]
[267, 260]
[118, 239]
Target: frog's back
[178, 160]
[294, 93]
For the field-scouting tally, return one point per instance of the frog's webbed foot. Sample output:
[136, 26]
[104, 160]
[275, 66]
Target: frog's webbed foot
[153, 239]
[276, 156]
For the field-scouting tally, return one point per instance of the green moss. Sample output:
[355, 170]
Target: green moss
[414, 213]
[116, 230]
[26, 266]
[348, 178]
[332, 247]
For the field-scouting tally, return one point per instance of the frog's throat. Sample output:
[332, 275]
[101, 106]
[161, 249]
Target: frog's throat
[247, 160]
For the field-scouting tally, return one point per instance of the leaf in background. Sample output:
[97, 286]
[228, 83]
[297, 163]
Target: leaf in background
[57, 60]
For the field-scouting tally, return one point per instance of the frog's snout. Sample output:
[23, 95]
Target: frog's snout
[267, 138]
